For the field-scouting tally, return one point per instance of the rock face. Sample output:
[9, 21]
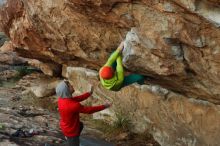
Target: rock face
[9, 60]
[47, 68]
[39, 84]
[173, 42]
[8, 57]
[3, 38]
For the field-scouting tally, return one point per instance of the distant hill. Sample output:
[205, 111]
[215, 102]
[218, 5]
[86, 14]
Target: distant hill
[2, 2]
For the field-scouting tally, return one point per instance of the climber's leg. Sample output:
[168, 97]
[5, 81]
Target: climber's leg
[133, 78]
[73, 141]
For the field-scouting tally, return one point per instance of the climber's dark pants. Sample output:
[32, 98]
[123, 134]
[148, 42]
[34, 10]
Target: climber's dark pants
[74, 141]
[130, 79]
[133, 78]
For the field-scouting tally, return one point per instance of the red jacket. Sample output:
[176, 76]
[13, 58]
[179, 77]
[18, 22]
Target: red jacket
[69, 109]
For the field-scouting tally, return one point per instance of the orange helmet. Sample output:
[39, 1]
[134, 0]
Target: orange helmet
[106, 72]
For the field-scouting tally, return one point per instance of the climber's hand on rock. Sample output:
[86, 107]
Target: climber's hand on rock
[91, 90]
[121, 46]
[107, 104]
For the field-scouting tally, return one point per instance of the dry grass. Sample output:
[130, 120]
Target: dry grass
[113, 132]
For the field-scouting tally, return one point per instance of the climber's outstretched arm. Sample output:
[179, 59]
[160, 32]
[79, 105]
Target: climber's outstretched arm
[115, 55]
[112, 58]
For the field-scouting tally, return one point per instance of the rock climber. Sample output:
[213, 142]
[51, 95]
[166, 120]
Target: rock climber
[112, 73]
[69, 108]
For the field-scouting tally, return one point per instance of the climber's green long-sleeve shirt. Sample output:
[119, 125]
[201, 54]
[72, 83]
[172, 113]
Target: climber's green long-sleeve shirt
[116, 81]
